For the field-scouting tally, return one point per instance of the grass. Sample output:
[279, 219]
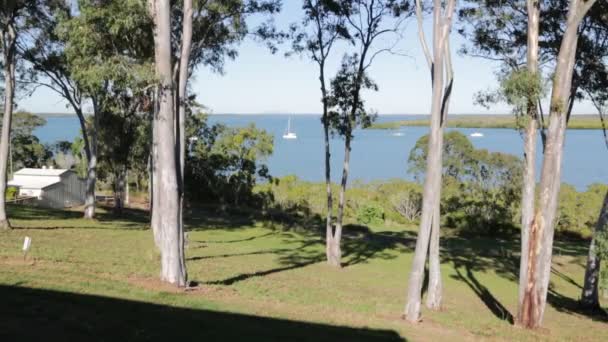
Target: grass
[489, 121]
[97, 280]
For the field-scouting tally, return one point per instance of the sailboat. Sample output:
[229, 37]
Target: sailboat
[289, 134]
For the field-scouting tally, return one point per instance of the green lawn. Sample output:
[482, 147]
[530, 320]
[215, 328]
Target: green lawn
[489, 121]
[97, 280]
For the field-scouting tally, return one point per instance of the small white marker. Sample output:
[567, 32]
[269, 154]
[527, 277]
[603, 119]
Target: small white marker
[27, 243]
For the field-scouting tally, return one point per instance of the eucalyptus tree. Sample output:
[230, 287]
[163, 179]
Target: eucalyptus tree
[205, 33]
[315, 37]
[51, 68]
[527, 44]
[367, 23]
[170, 228]
[598, 94]
[543, 226]
[17, 18]
[440, 66]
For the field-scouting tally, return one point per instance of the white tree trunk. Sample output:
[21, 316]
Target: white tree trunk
[430, 216]
[8, 49]
[530, 138]
[590, 295]
[173, 268]
[335, 246]
[91, 152]
[552, 164]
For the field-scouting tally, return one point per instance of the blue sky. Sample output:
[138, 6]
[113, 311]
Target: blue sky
[259, 82]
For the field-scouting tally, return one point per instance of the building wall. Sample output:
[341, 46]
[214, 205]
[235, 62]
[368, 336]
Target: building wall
[67, 193]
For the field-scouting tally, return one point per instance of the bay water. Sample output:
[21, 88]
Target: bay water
[377, 154]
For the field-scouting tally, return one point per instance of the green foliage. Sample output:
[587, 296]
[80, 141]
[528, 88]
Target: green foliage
[11, 193]
[578, 211]
[26, 149]
[224, 163]
[481, 189]
[371, 214]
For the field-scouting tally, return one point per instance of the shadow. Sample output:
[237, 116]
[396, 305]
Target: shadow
[235, 241]
[35, 315]
[570, 305]
[565, 277]
[359, 245]
[499, 310]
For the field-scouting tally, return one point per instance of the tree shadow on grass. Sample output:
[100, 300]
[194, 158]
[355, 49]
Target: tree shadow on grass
[493, 304]
[37, 315]
[570, 305]
[359, 245]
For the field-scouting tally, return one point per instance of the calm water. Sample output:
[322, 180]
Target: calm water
[378, 154]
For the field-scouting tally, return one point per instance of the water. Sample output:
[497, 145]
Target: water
[379, 154]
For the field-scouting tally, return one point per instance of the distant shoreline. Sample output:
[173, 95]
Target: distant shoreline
[489, 121]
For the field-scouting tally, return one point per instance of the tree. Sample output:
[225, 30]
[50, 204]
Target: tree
[226, 163]
[528, 48]
[598, 93]
[319, 30]
[52, 68]
[173, 263]
[205, 33]
[17, 17]
[439, 62]
[365, 22]
[100, 54]
[543, 225]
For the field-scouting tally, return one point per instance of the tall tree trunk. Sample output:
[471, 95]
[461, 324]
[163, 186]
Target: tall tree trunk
[435, 288]
[181, 98]
[8, 39]
[336, 250]
[127, 192]
[154, 181]
[329, 234]
[590, 294]
[430, 216]
[530, 137]
[551, 171]
[173, 268]
[90, 148]
[184, 63]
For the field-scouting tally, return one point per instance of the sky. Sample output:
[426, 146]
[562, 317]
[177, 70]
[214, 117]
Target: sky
[258, 82]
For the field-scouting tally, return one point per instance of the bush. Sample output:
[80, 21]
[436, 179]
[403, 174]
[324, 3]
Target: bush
[11, 193]
[370, 214]
[408, 203]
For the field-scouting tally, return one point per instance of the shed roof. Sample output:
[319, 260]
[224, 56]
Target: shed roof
[33, 183]
[41, 172]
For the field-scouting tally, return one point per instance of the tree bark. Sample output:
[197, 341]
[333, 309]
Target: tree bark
[336, 250]
[173, 268]
[329, 234]
[435, 287]
[430, 216]
[154, 181]
[590, 295]
[8, 40]
[184, 63]
[530, 138]
[90, 147]
[551, 171]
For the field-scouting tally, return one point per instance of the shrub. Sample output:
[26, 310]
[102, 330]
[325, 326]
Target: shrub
[408, 204]
[370, 214]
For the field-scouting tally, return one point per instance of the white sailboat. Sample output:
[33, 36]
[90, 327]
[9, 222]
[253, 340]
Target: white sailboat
[477, 135]
[289, 134]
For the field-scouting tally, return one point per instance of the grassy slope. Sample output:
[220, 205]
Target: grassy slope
[490, 121]
[98, 279]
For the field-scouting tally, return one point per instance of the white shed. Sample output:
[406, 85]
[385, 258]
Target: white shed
[51, 188]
